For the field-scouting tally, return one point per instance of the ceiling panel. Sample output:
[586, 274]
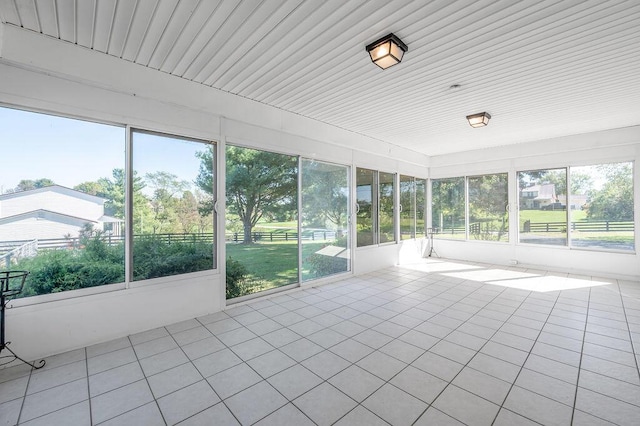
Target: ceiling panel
[542, 69]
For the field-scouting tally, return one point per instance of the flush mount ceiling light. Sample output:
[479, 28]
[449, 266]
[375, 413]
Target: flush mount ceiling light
[387, 51]
[479, 120]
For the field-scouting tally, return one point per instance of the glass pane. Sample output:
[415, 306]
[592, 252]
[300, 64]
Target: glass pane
[324, 217]
[408, 204]
[421, 206]
[447, 204]
[542, 209]
[367, 207]
[601, 205]
[61, 201]
[173, 225]
[386, 203]
[488, 215]
[262, 220]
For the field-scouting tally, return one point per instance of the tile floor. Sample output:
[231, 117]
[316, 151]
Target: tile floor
[434, 343]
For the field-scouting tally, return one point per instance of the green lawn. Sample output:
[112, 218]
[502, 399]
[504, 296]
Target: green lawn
[272, 264]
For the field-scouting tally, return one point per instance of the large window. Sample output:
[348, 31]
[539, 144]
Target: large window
[412, 207]
[386, 201]
[375, 199]
[324, 219]
[448, 208]
[488, 207]
[61, 201]
[601, 205]
[542, 206]
[173, 193]
[262, 220]
[366, 207]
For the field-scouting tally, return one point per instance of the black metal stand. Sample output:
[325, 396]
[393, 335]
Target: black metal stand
[430, 232]
[11, 284]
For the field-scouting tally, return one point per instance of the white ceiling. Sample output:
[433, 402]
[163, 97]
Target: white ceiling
[541, 68]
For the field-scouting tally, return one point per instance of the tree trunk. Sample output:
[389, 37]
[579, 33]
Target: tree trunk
[247, 232]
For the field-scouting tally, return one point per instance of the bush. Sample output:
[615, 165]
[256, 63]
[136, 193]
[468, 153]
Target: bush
[154, 257]
[236, 279]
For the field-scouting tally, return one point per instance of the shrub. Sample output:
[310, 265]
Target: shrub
[236, 279]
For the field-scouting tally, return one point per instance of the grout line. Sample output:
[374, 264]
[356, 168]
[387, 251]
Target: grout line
[24, 397]
[86, 360]
[575, 398]
[624, 310]
[146, 379]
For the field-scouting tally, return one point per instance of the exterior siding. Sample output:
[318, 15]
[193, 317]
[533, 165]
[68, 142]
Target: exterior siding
[53, 201]
[38, 228]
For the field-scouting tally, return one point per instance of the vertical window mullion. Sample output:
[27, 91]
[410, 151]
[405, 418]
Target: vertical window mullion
[128, 216]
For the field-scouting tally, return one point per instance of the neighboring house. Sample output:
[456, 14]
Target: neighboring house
[538, 196]
[577, 200]
[52, 212]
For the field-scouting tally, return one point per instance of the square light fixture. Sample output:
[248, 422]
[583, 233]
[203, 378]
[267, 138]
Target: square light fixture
[387, 51]
[479, 120]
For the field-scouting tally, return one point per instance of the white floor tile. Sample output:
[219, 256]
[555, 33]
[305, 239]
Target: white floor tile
[186, 402]
[114, 378]
[438, 366]
[483, 385]
[271, 363]
[119, 401]
[74, 415]
[466, 407]
[234, 380]
[13, 389]
[419, 384]
[218, 415]
[356, 382]
[147, 415]
[537, 407]
[326, 364]
[289, 415]
[294, 381]
[171, 380]
[45, 379]
[325, 404]
[395, 406]
[255, 403]
[382, 365]
[360, 416]
[216, 362]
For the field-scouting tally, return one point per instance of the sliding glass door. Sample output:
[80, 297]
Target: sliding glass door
[324, 219]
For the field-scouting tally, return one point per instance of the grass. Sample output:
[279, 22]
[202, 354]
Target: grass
[272, 264]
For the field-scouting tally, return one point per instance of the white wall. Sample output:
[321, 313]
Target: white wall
[619, 145]
[33, 228]
[51, 200]
[41, 73]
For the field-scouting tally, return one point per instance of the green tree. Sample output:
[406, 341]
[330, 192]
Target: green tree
[258, 183]
[187, 213]
[614, 201]
[164, 202]
[324, 195]
[28, 184]
[447, 200]
[91, 188]
[488, 199]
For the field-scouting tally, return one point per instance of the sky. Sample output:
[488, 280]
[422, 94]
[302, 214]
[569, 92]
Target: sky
[68, 151]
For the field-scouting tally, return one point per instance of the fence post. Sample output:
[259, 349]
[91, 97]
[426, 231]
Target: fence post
[286, 236]
[271, 236]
